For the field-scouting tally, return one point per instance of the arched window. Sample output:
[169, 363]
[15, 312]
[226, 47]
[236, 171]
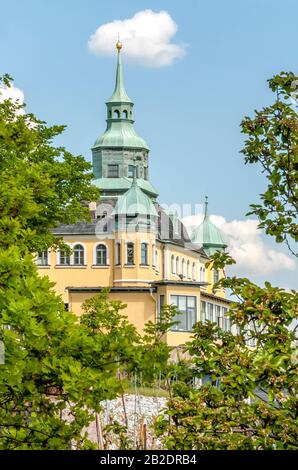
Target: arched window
[124, 114]
[43, 258]
[153, 255]
[144, 253]
[156, 260]
[130, 255]
[173, 265]
[118, 253]
[78, 255]
[183, 267]
[101, 255]
[116, 114]
[188, 269]
[204, 275]
[194, 271]
[64, 258]
[201, 274]
[177, 265]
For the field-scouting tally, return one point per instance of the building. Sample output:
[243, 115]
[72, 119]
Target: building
[143, 254]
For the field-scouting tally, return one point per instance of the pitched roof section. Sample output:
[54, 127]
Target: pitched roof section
[135, 201]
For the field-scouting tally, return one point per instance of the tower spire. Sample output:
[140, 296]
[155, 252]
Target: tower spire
[206, 207]
[119, 95]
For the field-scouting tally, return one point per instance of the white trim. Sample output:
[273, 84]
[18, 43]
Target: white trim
[117, 242]
[134, 280]
[58, 256]
[134, 253]
[71, 266]
[94, 254]
[84, 255]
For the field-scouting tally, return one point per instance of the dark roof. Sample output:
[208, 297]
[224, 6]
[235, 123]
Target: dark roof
[166, 282]
[167, 232]
[216, 297]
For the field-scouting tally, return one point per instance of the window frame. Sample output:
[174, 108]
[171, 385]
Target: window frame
[190, 312]
[144, 254]
[102, 249]
[130, 262]
[112, 174]
[81, 253]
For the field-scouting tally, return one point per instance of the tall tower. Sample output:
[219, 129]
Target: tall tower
[120, 149]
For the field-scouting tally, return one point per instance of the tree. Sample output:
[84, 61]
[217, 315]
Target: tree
[57, 368]
[273, 143]
[250, 399]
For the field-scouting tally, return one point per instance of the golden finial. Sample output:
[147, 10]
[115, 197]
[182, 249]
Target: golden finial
[118, 44]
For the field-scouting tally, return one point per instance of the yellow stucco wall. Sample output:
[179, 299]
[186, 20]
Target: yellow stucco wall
[141, 306]
[140, 309]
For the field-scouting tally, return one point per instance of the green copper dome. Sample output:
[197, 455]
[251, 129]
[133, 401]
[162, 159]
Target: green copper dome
[120, 131]
[208, 235]
[135, 202]
[121, 134]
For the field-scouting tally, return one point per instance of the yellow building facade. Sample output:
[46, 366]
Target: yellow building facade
[143, 254]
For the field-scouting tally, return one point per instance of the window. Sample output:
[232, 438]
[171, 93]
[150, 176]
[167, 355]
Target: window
[173, 264]
[188, 269]
[113, 171]
[130, 253]
[153, 255]
[156, 260]
[101, 255]
[203, 312]
[116, 114]
[225, 319]
[177, 265]
[145, 172]
[42, 259]
[144, 253]
[187, 308]
[124, 114]
[215, 276]
[210, 312]
[217, 315]
[194, 271]
[201, 274]
[161, 304]
[64, 258]
[78, 255]
[183, 267]
[130, 171]
[118, 253]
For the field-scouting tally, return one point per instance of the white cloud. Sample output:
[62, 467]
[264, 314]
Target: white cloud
[247, 246]
[146, 39]
[12, 92]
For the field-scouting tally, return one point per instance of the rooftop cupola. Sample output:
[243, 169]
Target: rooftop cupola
[207, 235]
[135, 209]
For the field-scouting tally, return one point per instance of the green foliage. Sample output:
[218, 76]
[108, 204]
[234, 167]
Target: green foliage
[250, 400]
[273, 142]
[57, 368]
[41, 185]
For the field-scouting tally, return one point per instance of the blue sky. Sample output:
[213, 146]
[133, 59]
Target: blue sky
[189, 112]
